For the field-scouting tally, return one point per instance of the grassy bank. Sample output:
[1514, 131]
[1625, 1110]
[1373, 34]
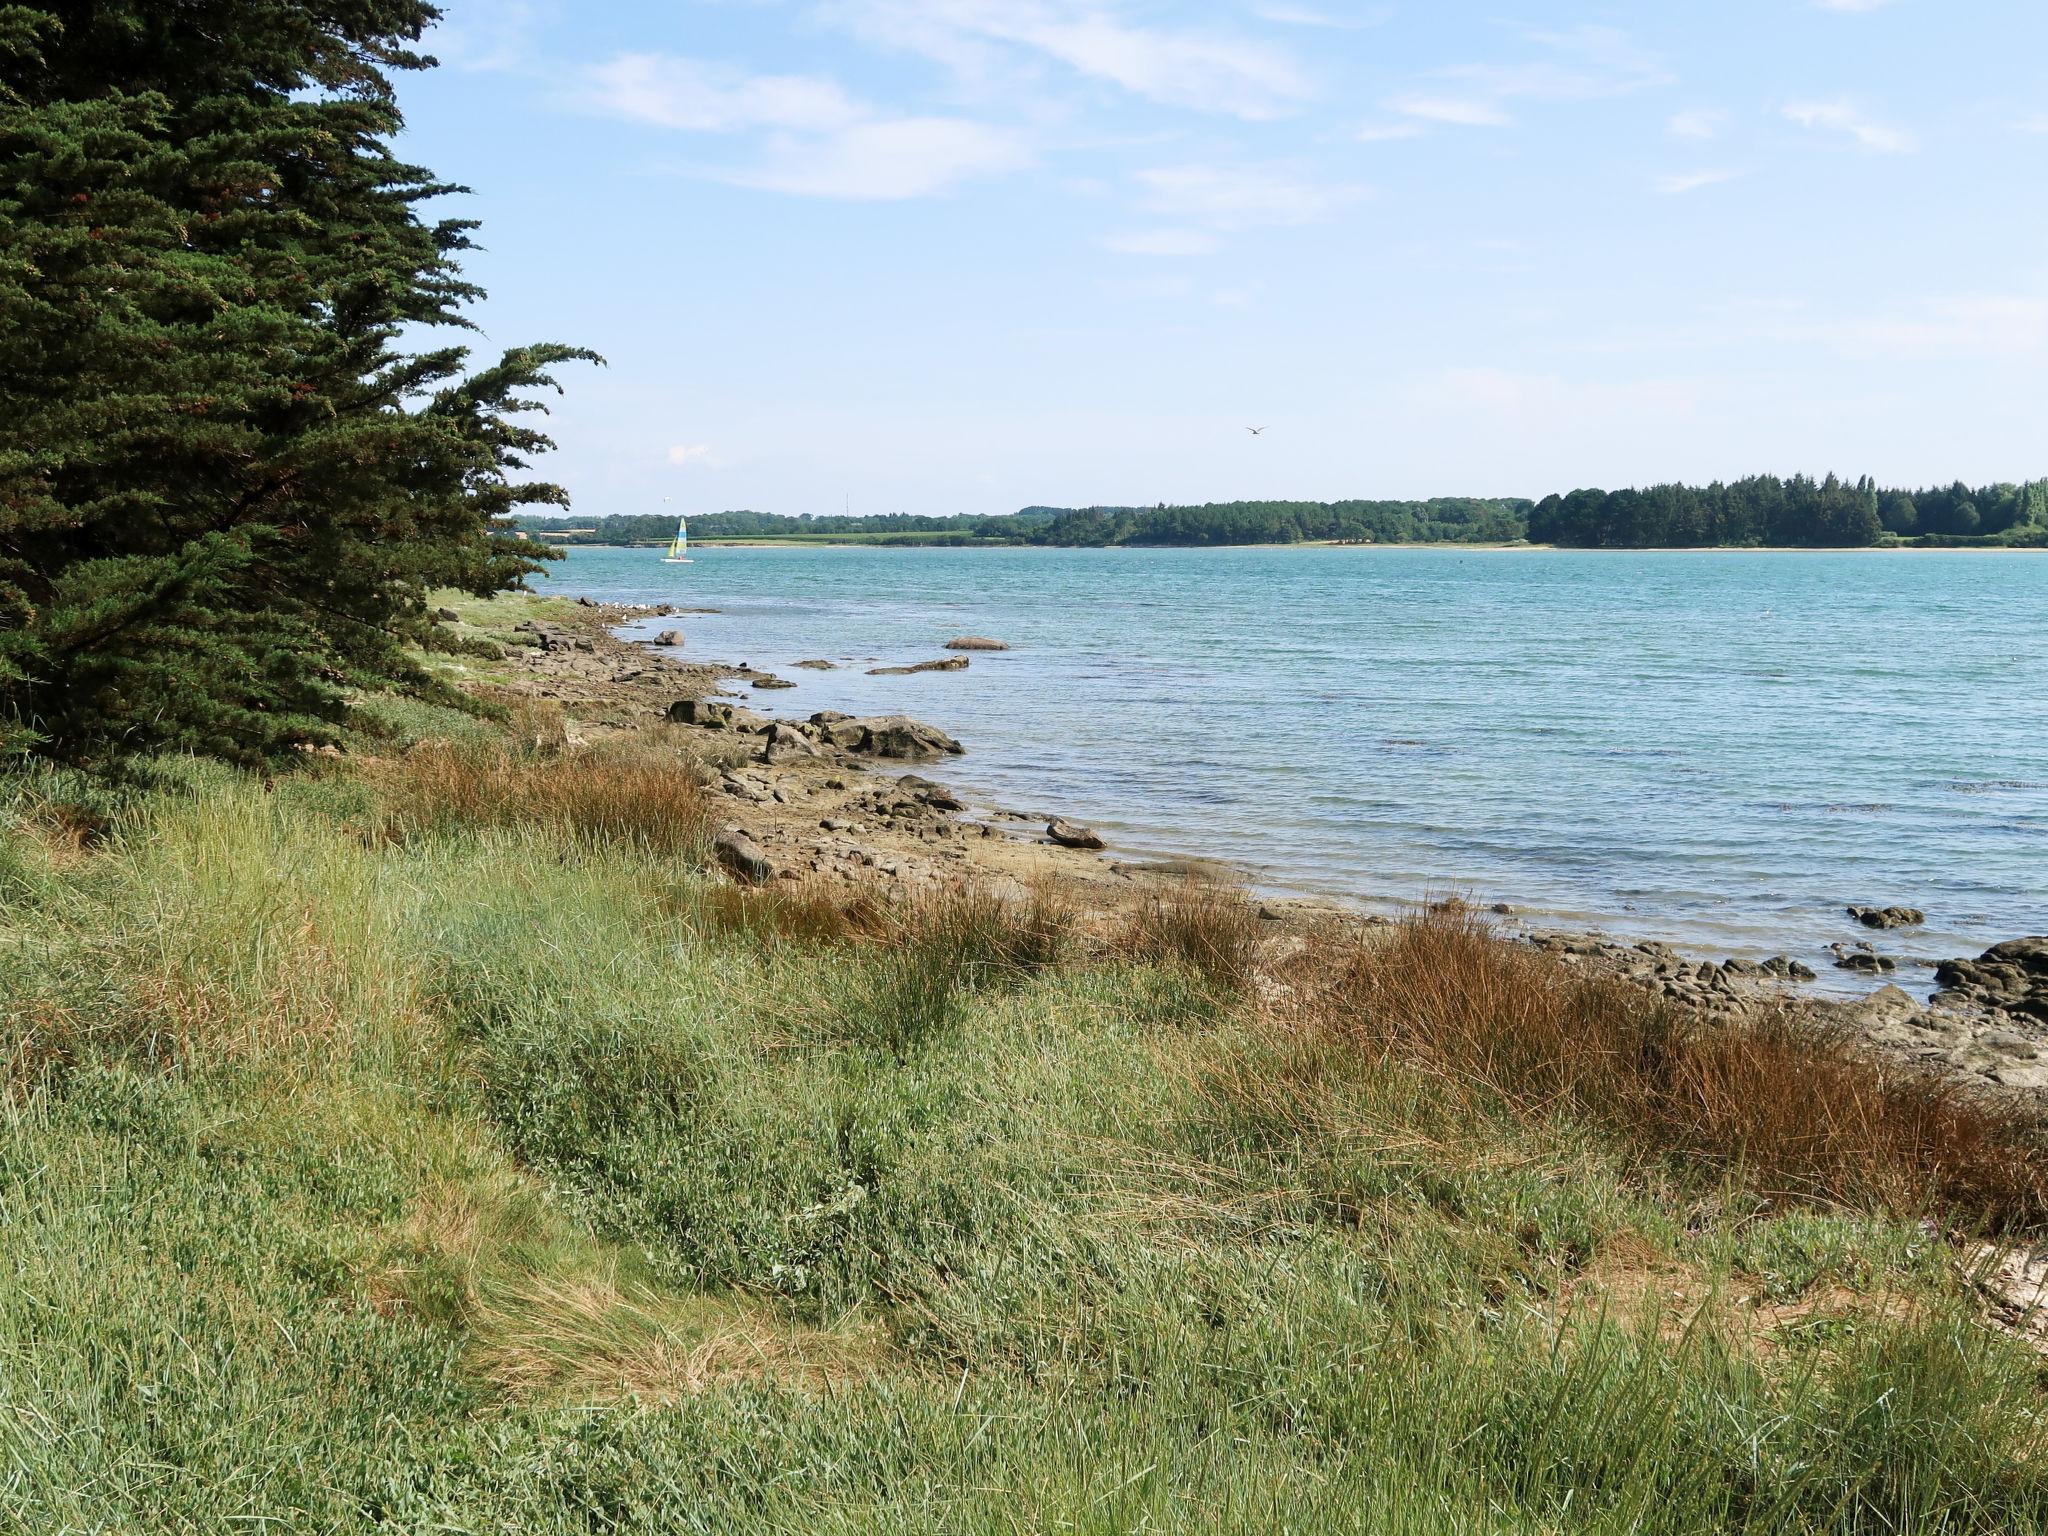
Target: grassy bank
[426, 1142]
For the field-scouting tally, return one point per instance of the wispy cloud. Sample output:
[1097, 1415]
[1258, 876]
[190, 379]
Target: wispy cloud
[2036, 124]
[1697, 123]
[1163, 242]
[1973, 325]
[1843, 116]
[1851, 5]
[1381, 133]
[685, 454]
[1202, 70]
[817, 141]
[487, 35]
[1679, 184]
[1586, 63]
[1366, 17]
[1454, 111]
[1243, 197]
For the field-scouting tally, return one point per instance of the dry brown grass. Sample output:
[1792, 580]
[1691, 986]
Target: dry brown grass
[1211, 929]
[1791, 1108]
[634, 794]
[802, 914]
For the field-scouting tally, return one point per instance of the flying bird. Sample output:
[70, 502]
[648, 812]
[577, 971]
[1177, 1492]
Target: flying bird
[1256, 431]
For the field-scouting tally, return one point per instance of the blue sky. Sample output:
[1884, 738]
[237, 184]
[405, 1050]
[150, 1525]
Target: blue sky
[966, 255]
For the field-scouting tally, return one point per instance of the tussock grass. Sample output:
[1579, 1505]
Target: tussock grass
[1790, 1108]
[505, 1177]
[636, 794]
[1209, 928]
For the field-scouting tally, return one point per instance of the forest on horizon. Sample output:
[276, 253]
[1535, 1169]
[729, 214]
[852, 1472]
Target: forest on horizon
[1759, 511]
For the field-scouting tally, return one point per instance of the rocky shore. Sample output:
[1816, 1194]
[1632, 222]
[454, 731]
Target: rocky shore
[862, 801]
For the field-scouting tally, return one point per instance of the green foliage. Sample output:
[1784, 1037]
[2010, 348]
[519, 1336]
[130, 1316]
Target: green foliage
[1765, 510]
[494, 1188]
[225, 482]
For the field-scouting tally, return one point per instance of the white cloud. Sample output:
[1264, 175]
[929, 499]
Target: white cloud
[820, 142]
[2035, 124]
[487, 35]
[1976, 325]
[1162, 242]
[700, 97]
[1243, 197]
[1850, 5]
[885, 161]
[1842, 116]
[1306, 16]
[1699, 123]
[1457, 111]
[1212, 72]
[685, 454]
[1692, 181]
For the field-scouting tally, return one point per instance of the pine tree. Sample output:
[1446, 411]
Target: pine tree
[226, 485]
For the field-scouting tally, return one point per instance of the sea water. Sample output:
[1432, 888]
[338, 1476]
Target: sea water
[1722, 748]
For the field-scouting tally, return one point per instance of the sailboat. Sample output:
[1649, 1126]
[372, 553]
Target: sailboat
[679, 546]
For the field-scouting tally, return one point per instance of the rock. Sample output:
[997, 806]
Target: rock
[773, 682]
[705, 712]
[743, 857]
[1866, 963]
[662, 610]
[899, 736]
[1889, 1004]
[1888, 917]
[584, 602]
[2009, 979]
[975, 643]
[937, 796]
[447, 615]
[950, 664]
[672, 637]
[816, 665]
[787, 741]
[1070, 835]
[1501, 909]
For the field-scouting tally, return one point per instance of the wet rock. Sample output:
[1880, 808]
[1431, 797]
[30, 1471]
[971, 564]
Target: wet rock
[2009, 978]
[705, 712]
[669, 637]
[1072, 835]
[975, 643]
[772, 682]
[1865, 962]
[1888, 917]
[950, 664]
[816, 664]
[892, 736]
[744, 858]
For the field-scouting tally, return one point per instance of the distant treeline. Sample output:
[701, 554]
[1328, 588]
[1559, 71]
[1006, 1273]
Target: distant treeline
[1820, 514]
[1762, 510]
[1447, 520]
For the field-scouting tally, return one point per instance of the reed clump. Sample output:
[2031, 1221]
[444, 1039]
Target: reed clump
[631, 795]
[1795, 1109]
[1205, 927]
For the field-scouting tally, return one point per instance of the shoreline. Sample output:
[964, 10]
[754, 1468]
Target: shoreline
[818, 811]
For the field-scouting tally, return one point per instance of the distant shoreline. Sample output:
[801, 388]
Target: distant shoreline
[1518, 546]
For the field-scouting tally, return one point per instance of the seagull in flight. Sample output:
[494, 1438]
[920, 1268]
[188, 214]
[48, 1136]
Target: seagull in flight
[1256, 431]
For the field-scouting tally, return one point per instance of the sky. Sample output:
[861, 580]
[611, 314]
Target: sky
[942, 256]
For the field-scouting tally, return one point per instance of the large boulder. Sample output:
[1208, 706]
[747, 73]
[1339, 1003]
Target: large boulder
[950, 664]
[899, 736]
[742, 857]
[1070, 834]
[975, 643]
[785, 741]
[709, 713]
[2009, 978]
[1888, 917]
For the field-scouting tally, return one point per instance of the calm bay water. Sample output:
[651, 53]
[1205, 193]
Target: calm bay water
[1722, 749]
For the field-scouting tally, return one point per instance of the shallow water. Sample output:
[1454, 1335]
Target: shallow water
[1722, 748]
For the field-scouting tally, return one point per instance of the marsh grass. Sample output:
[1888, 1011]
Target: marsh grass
[636, 794]
[1788, 1107]
[1209, 928]
[501, 1177]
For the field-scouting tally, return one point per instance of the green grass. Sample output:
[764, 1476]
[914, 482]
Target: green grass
[497, 1176]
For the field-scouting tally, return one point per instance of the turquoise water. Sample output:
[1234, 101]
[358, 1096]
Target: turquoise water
[1720, 748]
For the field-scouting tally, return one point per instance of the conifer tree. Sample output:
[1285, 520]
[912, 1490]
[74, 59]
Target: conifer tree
[226, 481]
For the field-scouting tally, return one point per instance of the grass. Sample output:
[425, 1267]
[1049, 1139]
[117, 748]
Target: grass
[411, 1149]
